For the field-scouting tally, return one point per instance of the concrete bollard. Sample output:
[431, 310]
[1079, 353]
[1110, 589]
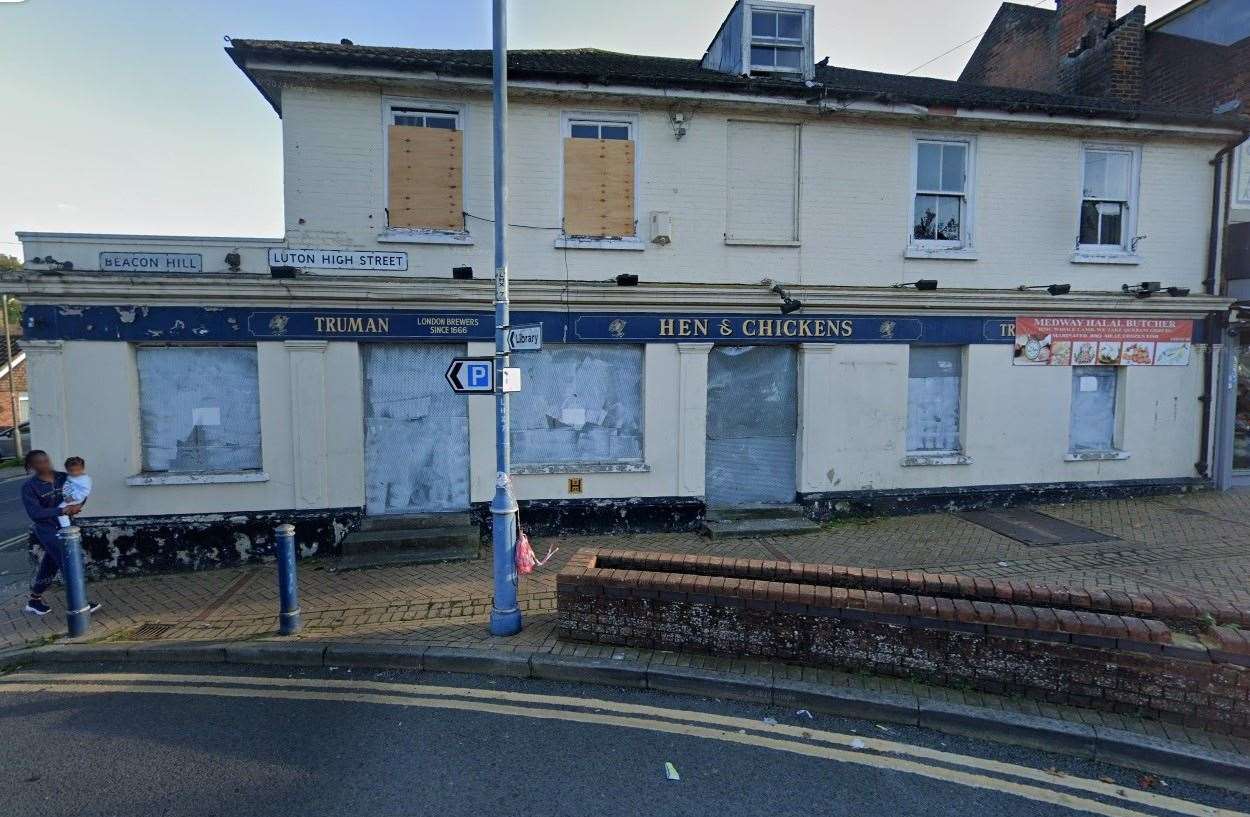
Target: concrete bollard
[78, 614]
[289, 621]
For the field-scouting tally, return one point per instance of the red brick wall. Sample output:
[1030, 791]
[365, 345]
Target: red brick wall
[1017, 52]
[1080, 17]
[1111, 66]
[1052, 647]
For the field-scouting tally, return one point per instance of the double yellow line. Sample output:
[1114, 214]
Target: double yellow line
[1074, 793]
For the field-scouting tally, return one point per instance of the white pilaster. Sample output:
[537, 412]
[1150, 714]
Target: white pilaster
[308, 421]
[816, 438]
[692, 418]
[45, 377]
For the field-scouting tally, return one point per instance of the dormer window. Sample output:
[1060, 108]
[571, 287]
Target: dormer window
[766, 38]
[776, 40]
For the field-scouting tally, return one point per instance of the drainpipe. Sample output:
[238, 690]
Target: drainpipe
[1216, 326]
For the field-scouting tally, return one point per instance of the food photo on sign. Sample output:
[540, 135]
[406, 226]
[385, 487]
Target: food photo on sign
[1103, 341]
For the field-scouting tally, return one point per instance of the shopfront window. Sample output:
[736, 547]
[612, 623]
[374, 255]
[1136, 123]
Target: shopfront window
[934, 394]
[1241, 426]
[579, 403]
[199, 408]
[1093, 408]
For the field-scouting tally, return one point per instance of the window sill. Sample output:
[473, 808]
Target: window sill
[955, 254]
[205, 478]
[573, 243]
[761, 242]
[1095, 456]
[627, 467]
[936, 458]
[425, 237]
[1121, 258]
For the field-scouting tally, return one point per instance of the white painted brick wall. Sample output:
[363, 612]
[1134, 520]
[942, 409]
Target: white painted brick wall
[855, 200]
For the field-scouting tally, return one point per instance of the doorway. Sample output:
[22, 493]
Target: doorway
[752, 422]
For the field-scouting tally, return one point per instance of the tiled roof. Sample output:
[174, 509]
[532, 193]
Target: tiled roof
[596, 67]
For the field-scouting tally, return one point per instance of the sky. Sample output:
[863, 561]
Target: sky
[125, 116]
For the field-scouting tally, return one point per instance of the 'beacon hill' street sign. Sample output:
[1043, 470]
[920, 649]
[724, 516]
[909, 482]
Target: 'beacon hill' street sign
[151, 262]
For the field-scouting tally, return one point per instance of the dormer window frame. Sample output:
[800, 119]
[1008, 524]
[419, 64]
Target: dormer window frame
[806, 67]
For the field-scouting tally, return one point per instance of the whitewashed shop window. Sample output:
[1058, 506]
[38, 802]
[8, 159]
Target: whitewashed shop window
[1093, 421]
[1108, 199]
[580, 403]
[199, 408]
[934, 395]
[942, 200]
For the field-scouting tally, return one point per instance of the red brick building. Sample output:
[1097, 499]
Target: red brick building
[1199, 55]
[18, 375]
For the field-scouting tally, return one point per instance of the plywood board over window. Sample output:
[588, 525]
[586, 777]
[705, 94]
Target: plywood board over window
[424, 182]
[598, 187]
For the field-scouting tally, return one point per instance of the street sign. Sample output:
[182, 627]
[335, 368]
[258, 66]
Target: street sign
[472, 375]
[528, 338]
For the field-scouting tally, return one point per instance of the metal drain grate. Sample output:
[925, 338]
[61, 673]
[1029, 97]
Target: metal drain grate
[1033, 528]
[151, 632]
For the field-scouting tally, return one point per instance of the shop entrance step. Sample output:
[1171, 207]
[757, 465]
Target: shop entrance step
[757, 520]
[415, 539]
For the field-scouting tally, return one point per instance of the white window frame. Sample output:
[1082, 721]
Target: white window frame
[927, 248]
[1116, 451]
[1125, 251]
[806, 55]
[593, 117]
[412, 235]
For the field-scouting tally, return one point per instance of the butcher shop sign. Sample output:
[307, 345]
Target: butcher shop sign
[1080, 341]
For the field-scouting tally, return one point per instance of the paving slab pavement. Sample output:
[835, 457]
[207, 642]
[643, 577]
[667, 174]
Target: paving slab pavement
[1195, 544]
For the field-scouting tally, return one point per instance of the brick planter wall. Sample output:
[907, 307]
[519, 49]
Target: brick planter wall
[1110, 651]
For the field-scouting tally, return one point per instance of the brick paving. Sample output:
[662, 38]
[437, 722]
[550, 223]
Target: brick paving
[1194, 544]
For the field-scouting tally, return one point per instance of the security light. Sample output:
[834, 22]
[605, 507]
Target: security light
[1053, 289]
[788, 305]
[283, 272]
[1178, 292]
[923, 285]
[627, 279]
[1143, 290]
[462, 273]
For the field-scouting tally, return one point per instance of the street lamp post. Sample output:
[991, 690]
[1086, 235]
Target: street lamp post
[505, 617]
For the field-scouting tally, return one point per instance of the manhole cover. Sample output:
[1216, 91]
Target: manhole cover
[1033, 528]
[151, 632]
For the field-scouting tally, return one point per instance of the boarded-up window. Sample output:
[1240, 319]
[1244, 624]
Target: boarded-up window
[599, 179]
[424, 170]
[580, 403]
[199, 408]
[933, 398]
[763, 173]
[1093, 408]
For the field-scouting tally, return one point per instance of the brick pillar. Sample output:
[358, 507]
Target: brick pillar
[1080, 17]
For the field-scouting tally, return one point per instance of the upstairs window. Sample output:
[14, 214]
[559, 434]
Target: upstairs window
[942, 193]
[1108, 194]
[425, 171]
[777, 40]
[599, 178]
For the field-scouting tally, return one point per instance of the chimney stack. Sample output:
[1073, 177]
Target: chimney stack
[1078, 18]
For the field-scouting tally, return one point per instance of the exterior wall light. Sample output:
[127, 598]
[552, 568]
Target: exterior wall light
[1053, 289]
[462, 273]
[788, 305]
[1143, 290]
[923, 285]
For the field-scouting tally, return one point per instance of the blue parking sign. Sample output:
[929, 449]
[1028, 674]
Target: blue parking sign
[472, 375]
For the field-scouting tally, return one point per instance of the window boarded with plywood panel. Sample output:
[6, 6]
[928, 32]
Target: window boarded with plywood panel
[763, 173]
[424, 178]
[598, 187]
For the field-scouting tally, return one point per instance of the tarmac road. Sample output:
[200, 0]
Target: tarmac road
[15, 568]
[188, 740]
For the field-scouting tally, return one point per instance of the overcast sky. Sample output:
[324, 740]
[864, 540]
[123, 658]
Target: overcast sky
[125, 116]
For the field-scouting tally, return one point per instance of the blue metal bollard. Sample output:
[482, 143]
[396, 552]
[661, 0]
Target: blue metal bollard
[78, 614]
[289, 621]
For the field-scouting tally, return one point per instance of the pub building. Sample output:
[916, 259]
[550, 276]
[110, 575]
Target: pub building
[761, 281]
